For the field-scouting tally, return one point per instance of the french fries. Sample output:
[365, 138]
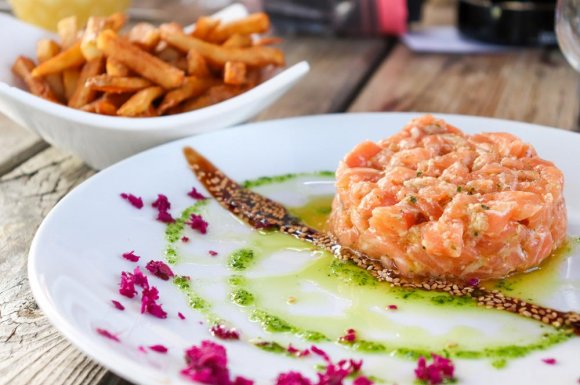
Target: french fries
[116, 84]
[68, 58]
[145, 64]
[144, 35]
[235, 73]
[116, 68]
[219, 56]
[255, 23]
[192, 87]
[141, 102]
[47, 49]
[149, 70]
[23, 68]
[196, 65]
[82, 94]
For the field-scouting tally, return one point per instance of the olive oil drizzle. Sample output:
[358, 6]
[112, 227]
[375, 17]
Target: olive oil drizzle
[264, 214]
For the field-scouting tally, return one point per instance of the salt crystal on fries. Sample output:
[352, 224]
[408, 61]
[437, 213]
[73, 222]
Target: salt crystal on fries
[117, 84]
[140, 102]
[38, 86]
[140, 61]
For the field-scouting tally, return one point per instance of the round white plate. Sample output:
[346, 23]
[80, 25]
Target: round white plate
[75, 259]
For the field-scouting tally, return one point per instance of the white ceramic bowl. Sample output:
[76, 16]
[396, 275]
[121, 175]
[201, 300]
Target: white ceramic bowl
[103, 140]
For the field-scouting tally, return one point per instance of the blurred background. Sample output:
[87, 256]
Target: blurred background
[514, 22]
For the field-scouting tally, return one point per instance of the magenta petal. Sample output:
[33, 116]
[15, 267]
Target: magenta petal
[136, 202]
[158, 348]
[108, 334]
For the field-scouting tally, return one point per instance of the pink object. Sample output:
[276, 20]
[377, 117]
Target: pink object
[158, 348]
[130, 256]
[392, 16]
[108, 334]
[180, 315]
[136, 202]
[118, 305]
[160, 270]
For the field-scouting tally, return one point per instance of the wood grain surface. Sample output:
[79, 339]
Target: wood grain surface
[535, 86]
[31, 351]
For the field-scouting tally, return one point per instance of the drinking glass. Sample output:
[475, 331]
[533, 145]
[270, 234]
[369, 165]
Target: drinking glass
[568, 30]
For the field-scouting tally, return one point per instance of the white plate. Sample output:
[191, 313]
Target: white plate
[75, 262]
[103, 140]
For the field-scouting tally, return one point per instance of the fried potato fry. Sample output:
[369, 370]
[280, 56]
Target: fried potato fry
[117, 84]
[70, 79]
[23, 69]
[71, 57]
[116, 68]
[238, 41]
[100, 106]
[46, 49]
[268, 40]
[214, 95]
[204, 26]
[140, 61]
[196, 65]
[235, 73]
[172, 27]
[192, 87]
[169, 54]
[218, 55]
[95, 25]
[68, 30]
[84, 95]
[254, 23]
[116, 21]
[145, 35]
[140, 102]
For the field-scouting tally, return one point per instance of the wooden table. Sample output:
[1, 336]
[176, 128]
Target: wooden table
[348, 75]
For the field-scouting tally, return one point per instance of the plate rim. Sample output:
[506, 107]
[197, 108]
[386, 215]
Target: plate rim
[119, 363]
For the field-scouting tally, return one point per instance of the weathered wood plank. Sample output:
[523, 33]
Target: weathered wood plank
[17, 144]
[33, 352]
[535, 86]
[338, 68]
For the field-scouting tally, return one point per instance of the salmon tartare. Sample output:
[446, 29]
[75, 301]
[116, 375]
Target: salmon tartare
[432, 201]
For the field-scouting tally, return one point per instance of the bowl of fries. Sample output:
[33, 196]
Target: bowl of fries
[107, 90]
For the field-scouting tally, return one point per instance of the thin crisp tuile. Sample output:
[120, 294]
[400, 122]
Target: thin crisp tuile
[263, 213]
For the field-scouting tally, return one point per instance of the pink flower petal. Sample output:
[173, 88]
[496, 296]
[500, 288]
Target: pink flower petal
[223, 333]
[127, 285]
[292, 378]
[435, 373]
[108, 334]
[349, 336]
[196, 222]
[196, 194]
[184, 239]
[297, 352]
[149, 304]
[136, 202]
[118, 305]
[130, 256]
[362, 380]
[180, 315]
[393, 307]
[549, 361]
[158, 348]
[213, 253]
[160, 270]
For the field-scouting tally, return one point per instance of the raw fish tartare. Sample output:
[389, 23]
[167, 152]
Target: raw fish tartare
[432, 201]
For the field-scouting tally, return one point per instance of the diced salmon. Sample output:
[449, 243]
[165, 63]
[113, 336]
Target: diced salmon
[433, 201]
